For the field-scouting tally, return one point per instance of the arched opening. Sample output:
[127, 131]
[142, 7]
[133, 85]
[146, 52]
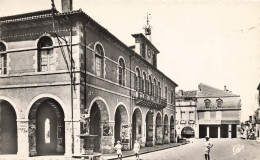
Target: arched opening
[166, 130]
[121, 125]
[187, 132]
[149, 129]
[46, 128]
[137, 126]
[8, 128]
[158, 129]
[172, 135]
[98, 117]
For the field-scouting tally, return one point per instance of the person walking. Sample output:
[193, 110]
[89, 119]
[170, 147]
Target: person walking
[136, 149]
[208, 145]
[118, 148]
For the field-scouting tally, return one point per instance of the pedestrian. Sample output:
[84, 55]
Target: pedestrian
[118, 148]
[136, 149]
[208, 146]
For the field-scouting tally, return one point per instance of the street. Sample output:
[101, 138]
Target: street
[226, 149]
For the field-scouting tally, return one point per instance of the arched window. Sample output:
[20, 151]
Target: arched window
[166, 93]
[150, 85]
[155, 88]
[3, 59]
[159, 89]
[99, 60]
[45, 55]
[121, 72]
[138, 80]
[219, 103]
[144, 84]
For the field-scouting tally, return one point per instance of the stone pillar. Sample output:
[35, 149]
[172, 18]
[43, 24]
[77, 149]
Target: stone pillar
[68, 139]
[23, 138]
[76, 126]
[154, 129]
[219, 131]
[207, 131]
[143, 134]
[229, 131]
[107, 137]
[32, 137]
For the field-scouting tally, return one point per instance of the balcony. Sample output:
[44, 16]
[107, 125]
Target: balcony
[144, 99]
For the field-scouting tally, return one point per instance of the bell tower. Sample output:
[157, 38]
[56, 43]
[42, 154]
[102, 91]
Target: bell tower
[147, 28]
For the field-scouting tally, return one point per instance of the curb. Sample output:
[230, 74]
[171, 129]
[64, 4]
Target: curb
[159, 149]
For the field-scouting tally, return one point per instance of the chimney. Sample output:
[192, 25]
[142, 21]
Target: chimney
[66, 5]
[180, 92]
[225, 88]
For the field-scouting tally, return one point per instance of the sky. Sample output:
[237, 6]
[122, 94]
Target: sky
[215, 42]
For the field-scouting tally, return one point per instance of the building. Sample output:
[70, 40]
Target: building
[186, 113]
[207, 112]
[63, 74]
[218, 112]
[257, 115]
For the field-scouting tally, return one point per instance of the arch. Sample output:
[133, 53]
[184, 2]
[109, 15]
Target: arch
[138, 70]
[13, 105]
[121, 71]
[43, 97]
[45, 35]
[103, 101]
[137, 121]
[98, 43]
[124, 106]
[137, 107]
[145, 74]
[159, 129]
[187, 132]
[165, 119]
[149, 128]
[5, 44]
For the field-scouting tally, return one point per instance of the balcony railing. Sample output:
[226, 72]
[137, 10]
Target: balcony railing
[150, 100]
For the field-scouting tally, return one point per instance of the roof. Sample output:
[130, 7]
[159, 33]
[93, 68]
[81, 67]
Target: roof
[192, 93]
[30, 14]
[49, 14]
[208, 91]
[140, 35]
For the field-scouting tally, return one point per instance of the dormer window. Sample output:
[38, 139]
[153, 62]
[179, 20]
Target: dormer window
[3, 59]
[207, 103]
[219, 103]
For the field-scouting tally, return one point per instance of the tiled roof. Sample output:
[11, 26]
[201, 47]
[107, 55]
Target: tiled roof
[208, 91]
[192, 93]
[49, 13]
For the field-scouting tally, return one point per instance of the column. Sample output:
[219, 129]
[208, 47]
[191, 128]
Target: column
[154, 129]
[107, 137]
[218, 131]
[229, 131]
[207, 131]
[143, 134]
[23, 138]
[68, 139]
[76, 127]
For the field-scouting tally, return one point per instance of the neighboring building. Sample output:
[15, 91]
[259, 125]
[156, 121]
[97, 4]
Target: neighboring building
[218, 112]
[257, 115]
[120, 89]
[186, 114]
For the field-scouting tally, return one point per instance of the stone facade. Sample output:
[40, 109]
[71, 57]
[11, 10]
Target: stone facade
[110, 84]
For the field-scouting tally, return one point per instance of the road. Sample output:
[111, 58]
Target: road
[223, 149]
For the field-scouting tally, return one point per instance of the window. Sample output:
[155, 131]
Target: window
[3, 59]
[155, 88]
[166, 92]
[191, 115]
[159, 89]
[172, 95]
[138, 80]
[182, 115]
[144, 84]
[219, 103]
[150, 85]
[207, 103]
[121, 72]
[99, 60]
[45, 55]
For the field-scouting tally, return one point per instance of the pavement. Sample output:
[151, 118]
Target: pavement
[144, 150]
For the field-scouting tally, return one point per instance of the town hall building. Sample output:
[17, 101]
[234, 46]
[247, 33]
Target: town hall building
[62, 74]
